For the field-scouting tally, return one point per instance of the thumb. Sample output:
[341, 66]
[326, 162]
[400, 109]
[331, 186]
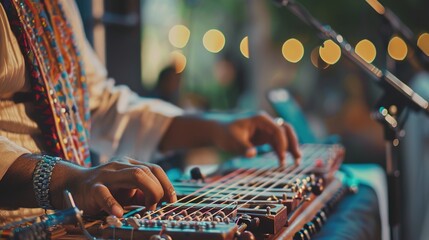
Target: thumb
[251, 152]
[247, 149]
[106, 201]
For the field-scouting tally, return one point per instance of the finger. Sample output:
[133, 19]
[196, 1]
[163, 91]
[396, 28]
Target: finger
[293, 142]
[144, 165]
[138, 177]
[245, 147]
[106, 201]
[279, 144]
[277, 140]
[251, 152]
[158, 172]
[169, 192]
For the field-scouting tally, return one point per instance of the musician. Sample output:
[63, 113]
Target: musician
[54, 93]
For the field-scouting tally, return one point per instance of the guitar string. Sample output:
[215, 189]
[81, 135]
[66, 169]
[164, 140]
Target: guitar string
[311, 155]
[308, 167]
[203, 200]
[201, 189]
[243, 180]
[242, 187]
[260, 187]
[233, 174]
[254, 170]
[217, 200]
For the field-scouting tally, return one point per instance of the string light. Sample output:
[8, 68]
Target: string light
[244, 46]
[179, 36]
[316, 60]
[330, 52]
[366, 50]
[293, 50]
[179, 60]
[214, 40]
[397, 48]
[376, 5]
[423, 43]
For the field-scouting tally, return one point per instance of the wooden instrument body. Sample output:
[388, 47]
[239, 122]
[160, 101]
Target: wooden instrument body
[259, 201]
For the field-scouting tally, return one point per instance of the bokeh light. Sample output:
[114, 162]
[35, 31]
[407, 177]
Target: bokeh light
[316, 60]
[330, 52]
[423, 43]
[366, 50]
[293, 50]
[377, 6]
[397, 48]
[179, 60]
[244, 47]
[179, 36]
[214, 40]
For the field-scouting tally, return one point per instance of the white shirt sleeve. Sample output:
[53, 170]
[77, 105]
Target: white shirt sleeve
[9, 51]
[122, 122]
[12, 64]
[9, 152]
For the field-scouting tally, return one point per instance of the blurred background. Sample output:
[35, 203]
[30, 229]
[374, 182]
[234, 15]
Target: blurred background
[248, 55]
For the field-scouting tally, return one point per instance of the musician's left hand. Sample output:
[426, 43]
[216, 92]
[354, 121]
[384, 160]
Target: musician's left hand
[241, 137]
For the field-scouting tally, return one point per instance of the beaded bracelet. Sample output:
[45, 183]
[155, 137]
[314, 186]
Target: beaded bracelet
[42, 179]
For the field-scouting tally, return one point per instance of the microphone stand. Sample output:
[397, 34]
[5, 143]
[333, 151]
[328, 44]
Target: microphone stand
[391, 110]
[395, 25]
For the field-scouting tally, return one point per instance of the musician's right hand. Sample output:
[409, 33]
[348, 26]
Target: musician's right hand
[107, 187]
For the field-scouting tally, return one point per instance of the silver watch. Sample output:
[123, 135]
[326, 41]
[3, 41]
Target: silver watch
[42, 179]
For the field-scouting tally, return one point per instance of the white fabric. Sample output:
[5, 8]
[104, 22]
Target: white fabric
[12, 65]
[122, 122]
[9, 152]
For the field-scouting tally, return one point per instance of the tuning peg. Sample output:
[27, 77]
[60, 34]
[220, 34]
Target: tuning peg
[317, 188]
[196, 174]
[160, 237]
[246, 235]
[310, 228]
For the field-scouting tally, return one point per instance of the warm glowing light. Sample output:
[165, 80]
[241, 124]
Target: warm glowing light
[214, 40]
[423, 43]
[330, 52]
[397, 48]
[293, 50]
[179, 61]
[179, 36]
[316, 60]
[244, 47]
[366, 50]
[376, 5]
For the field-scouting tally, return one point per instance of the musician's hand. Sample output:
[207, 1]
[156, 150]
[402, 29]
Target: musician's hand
[241, 137]
[110, 186]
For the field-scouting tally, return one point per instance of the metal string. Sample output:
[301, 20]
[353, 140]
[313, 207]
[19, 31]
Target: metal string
[217, 187]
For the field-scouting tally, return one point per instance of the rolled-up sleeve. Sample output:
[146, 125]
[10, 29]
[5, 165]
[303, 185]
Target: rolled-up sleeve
[123, 123]
[9, 152]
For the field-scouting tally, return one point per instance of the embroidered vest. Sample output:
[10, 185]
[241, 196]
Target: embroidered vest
[56, 73]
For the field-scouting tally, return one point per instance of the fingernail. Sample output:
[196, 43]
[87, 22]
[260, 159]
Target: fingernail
[251, 152]
[117, 211]
[173, 197]
[151, 207]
